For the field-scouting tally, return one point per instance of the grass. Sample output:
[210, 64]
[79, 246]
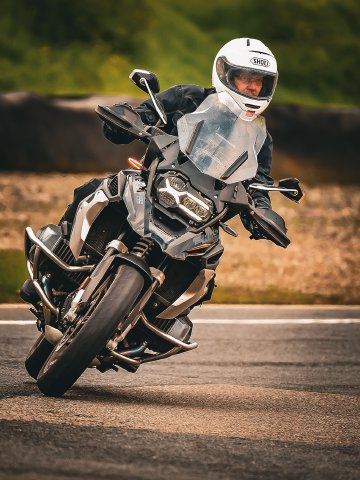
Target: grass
[76, 48]
[13, 273]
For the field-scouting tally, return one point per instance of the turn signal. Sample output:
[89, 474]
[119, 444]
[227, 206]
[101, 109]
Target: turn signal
[199, 249]
[135, 163]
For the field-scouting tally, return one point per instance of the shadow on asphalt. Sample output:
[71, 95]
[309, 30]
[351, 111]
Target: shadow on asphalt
[161, 396]
[25, 389]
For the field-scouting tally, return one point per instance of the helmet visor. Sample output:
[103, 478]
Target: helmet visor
[250, 82]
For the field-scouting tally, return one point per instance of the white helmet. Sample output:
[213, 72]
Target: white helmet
[245, 58]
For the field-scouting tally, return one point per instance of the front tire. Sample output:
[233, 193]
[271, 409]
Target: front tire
[82, 342]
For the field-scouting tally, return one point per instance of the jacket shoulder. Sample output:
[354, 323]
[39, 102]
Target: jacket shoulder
[191, 96]
[184, 90]
[191, 88]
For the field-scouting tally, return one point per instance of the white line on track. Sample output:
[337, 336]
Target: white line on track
[17, 322]
[220, 321]
[276, 321]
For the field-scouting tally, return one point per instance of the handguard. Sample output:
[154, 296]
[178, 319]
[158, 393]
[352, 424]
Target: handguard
[124, 118]
[268, 227]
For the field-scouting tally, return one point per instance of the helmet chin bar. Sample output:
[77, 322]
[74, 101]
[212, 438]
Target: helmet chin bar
[245, 109]
[237, 104]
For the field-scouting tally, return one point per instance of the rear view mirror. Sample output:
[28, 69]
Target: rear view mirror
[148, 82]
[138, 76]
[293, 185]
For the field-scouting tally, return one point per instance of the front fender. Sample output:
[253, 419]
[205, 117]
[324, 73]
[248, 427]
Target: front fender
[103, 267]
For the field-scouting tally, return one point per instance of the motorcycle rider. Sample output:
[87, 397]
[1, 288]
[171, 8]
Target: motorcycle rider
[250, 85]
[246, 70]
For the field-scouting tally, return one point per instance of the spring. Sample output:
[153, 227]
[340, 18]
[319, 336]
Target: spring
[143, 247]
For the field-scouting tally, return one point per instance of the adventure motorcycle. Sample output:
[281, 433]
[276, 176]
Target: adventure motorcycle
[113, 286]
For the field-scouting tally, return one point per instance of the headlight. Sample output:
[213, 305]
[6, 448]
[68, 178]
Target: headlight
[173, 192]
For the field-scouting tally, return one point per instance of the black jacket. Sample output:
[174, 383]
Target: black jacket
[182, 99]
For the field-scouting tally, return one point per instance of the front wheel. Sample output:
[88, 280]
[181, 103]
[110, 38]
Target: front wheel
[88, 336]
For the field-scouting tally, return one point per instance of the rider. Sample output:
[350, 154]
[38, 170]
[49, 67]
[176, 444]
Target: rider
[246, 70]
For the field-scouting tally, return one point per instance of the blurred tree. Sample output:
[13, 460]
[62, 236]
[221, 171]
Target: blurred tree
[316, 42]
[68, 46]
[59, 23]
[82, 46]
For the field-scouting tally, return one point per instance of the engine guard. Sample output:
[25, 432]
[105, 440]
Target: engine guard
[32, 263]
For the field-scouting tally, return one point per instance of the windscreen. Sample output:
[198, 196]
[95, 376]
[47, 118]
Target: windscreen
[219, 143]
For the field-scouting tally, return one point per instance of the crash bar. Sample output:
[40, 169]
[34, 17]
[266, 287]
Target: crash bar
[54, 258]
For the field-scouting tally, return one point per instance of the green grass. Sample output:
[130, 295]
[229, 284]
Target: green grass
[13, 273]
[77, 48]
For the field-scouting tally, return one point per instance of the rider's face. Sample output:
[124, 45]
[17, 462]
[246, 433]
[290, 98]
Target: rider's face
[249, 84]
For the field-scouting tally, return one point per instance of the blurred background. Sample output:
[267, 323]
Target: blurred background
[60, 58]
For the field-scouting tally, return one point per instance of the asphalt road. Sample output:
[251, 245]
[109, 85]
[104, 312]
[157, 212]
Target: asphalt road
[272, 393]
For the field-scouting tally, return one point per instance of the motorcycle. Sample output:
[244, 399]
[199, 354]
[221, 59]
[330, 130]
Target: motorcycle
[114, 286]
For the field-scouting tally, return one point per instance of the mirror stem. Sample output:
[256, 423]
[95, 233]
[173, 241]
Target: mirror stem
[159, 111]
[268, 188]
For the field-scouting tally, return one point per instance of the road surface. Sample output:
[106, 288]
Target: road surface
[271, 392]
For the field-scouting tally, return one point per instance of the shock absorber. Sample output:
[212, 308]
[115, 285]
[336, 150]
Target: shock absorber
[143, 247]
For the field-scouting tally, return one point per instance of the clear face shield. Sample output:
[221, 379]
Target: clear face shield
[249, 82]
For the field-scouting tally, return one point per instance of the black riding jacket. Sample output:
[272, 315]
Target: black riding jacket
[182, 99]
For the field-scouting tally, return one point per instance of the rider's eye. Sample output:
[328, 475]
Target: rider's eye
[249, 79]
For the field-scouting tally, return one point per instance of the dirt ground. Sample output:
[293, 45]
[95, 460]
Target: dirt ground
[323, 258]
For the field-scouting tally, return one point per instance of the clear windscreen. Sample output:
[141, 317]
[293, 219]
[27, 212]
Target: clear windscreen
[218, 142]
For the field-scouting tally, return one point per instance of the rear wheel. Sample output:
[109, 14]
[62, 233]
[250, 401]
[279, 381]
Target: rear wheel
[37, 356]
[88, 336]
